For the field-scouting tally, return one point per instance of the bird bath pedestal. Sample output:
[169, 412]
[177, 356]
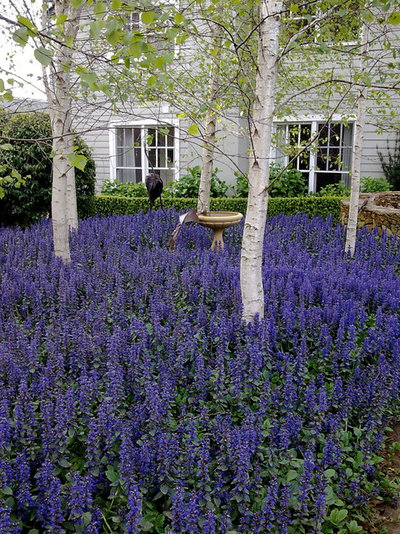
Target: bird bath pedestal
[218, 221]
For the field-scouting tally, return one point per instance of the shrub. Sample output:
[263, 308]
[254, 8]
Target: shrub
[124, 189]
[391, 164]
[312, 205]
[188, 185]
[290, 184]
[374, 185]
[336, 190]
[32, 160]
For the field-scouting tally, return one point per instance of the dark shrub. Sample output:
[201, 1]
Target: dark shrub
[31, 158]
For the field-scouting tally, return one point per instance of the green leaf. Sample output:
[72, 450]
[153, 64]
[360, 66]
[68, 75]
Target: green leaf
[394, 18]
[23, 21]
[33, 531]
[6, 146]
[148, 17]
[329, 473]
[193, 129]
[112, 475]
[136, 49]
[337, 516]
[21, 36]
[99, 8]
[367, 16]
[179, 18]
[43, 55]
[292, 475]
[159, 62]
[152, 81]
[61, 19]
[16, 174]
[95, 28]
[116, 4]
[76, 3]
[89, 77]
[354, 527]
[77, 160]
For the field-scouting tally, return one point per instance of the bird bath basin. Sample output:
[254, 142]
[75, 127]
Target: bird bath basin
[218, 221]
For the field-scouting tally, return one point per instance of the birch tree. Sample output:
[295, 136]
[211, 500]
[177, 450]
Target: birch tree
[262, 116]
[58, 84]
[351, 232]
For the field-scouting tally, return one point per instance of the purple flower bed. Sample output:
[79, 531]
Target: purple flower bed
[132, 399]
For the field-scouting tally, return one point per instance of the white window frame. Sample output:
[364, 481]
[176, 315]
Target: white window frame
[314, 121]
[144, 124]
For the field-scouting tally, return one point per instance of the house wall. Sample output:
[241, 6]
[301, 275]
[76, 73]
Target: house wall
[231, 155]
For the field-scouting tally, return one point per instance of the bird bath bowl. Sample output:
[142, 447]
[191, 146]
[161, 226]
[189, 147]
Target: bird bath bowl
[218, 221]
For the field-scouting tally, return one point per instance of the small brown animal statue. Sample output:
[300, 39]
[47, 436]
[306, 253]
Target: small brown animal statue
[154, 186]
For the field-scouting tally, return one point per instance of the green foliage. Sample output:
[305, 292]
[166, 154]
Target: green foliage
[242, 185]
[334, 190]
[373, 185]
[391, 164]
[188, 185]
[27, 198]
[312, 205]
[289, 184]
[124, 189]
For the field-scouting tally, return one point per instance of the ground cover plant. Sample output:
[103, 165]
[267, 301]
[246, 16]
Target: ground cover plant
[132, 399]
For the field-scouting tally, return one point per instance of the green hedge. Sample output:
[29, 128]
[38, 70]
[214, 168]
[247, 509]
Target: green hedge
[312, 205]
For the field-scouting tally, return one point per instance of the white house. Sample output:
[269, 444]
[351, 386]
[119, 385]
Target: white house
[137, 139]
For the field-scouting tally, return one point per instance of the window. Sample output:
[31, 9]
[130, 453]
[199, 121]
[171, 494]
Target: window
[140, 149]
[157, 40]
[326, 156]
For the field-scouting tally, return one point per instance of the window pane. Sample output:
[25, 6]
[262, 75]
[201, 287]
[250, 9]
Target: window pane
[151, 136]
[346, 158]
[138, 157]
[170, 157]
[325, 178]
[322, 135]
[334, 162]
[153, 157]
[129, 175]
[305, 133]
[161, 158]
[334, 135]
[120, 136]
[161, 138]
[322, 159]
[128, 142]
[304, 160]
[171, 137]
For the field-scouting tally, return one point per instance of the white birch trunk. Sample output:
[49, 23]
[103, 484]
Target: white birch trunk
[264, 101]
[58, 88]
[351, 232]
[207, 159]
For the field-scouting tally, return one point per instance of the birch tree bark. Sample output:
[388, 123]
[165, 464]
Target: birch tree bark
[351, 232]
[57, 81]
[253, 236]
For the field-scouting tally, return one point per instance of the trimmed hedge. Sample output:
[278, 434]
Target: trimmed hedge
[312, 205]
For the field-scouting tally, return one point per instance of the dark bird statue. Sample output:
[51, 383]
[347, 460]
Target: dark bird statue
[154, 186]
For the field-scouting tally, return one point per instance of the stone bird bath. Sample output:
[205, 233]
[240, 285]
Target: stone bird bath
[216, 220]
